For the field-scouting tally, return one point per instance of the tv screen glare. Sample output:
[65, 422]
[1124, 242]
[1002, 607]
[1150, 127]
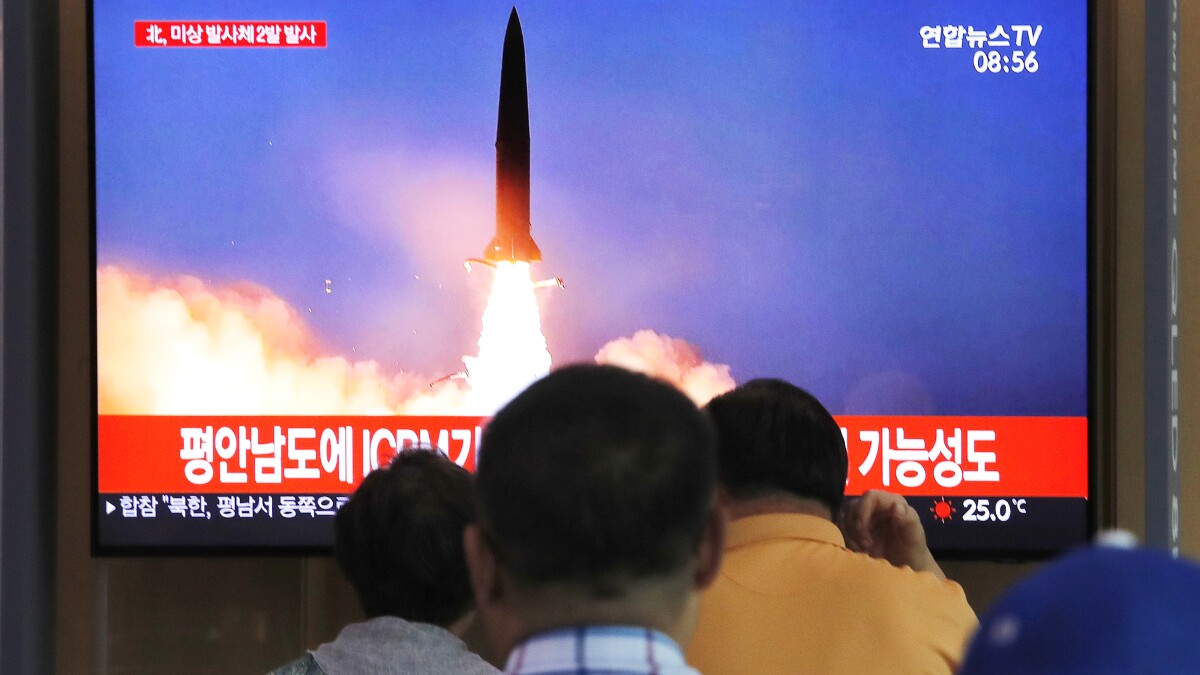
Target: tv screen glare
[326, 231]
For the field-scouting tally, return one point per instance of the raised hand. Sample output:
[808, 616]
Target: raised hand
[883, 525]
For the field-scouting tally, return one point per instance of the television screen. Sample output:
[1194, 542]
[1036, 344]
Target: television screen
[325, 231]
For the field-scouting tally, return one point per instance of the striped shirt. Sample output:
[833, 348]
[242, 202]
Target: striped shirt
[598, 650]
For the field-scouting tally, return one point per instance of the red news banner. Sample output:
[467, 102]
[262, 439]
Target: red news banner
[919, 456]
[229, 34]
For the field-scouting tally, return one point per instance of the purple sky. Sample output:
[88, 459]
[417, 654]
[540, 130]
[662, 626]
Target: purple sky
[799, 189]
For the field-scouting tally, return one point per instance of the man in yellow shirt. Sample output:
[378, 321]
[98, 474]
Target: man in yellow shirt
[796, 592]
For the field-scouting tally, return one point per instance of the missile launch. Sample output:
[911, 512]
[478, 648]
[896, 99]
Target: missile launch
[512, 242]
[512, 348]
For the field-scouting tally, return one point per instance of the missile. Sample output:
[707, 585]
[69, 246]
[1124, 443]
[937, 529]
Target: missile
[512, 241]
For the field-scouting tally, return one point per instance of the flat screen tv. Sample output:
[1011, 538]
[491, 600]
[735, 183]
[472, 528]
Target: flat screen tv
[328, 230]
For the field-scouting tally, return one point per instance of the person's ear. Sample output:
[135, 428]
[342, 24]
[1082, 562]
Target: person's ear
[481, 566]
[712, 548]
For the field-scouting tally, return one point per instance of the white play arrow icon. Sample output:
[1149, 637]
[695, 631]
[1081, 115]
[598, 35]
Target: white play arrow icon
[109, 508]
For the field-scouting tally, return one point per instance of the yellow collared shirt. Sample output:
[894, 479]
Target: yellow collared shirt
[791, 598]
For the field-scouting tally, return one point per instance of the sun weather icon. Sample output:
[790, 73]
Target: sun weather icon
[942, 510]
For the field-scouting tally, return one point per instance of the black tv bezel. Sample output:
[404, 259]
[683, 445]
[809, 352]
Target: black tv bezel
[1096, 394]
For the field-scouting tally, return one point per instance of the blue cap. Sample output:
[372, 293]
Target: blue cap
[1099, 610]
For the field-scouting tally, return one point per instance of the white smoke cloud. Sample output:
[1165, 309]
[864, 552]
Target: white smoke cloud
[183, 347]
[670, 359]
[180, 347]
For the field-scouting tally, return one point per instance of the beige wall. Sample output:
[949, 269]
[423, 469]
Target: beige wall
[246, 615]
[1129, 207]
[1189, 282]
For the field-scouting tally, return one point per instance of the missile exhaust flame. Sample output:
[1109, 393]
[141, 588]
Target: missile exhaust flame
[512, 348]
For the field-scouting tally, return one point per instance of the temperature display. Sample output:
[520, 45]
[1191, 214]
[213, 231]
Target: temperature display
[988, 509]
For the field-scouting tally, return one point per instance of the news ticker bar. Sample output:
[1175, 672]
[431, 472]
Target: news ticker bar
[268, 520]
[217, 521]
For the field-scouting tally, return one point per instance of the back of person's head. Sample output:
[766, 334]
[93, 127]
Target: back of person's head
[399, 539]
[1100, 610]
[774, 437]
[595, 478]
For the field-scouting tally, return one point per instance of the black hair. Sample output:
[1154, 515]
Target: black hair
[399, 539]
[773, 436]
[596, 476]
